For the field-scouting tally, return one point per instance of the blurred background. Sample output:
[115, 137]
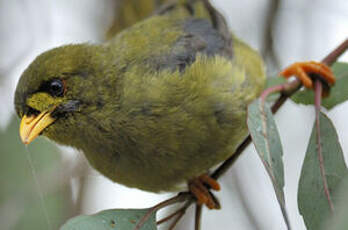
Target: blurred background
[44, 184]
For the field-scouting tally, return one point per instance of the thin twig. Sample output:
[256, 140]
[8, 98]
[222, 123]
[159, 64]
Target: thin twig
[318, 91]
[178, 218]
[227, 163]
[334, 55]
[181, 197]
[198, 216]
[165, 219]
[176, 221]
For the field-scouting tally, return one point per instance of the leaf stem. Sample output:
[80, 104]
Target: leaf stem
[317, 98]
[268, 91]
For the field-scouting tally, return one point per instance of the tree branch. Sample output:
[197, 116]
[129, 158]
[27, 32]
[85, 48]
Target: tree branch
[198, 216]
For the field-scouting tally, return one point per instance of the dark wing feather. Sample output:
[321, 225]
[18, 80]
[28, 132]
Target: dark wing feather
[209, 36]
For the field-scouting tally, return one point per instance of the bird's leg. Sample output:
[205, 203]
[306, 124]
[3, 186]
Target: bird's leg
[200, 187]
[306, 71]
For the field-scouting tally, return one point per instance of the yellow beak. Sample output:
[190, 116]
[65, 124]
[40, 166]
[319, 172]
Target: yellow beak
[32, 126]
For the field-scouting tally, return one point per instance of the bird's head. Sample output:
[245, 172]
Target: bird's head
[53, 90]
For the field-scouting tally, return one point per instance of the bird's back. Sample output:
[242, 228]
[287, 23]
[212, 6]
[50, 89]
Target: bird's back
[184, 83]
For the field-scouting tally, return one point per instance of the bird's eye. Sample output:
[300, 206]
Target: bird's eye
[56, 88]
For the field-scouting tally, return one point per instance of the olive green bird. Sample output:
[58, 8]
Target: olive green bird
[153, 108]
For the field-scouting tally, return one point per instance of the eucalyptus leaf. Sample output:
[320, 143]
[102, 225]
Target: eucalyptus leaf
[340, 219]
[317, 187]
[273, 81]
[120, 219]
[265, 136]
[338, 94]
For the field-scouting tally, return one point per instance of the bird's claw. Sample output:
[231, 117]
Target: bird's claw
[199, 187]
[306, 71]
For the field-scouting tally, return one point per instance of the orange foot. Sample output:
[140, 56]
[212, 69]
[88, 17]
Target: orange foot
[200, 186]
[303, 70]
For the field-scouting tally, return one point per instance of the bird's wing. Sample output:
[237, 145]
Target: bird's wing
[172, 38]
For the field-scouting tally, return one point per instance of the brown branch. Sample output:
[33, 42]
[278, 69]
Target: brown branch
[181, 197]
[227, 163]
[176, 221]
[334, 55]
[167, 218]
[178, 218]
[198, 216]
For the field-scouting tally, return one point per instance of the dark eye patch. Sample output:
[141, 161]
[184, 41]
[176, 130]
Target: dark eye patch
[55, 87]
[30, 111]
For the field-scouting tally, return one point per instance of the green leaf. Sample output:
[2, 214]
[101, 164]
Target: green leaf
[273, 81]
[338, 94]
[120, 219]
[313, 197]
[264, 133]
[340, 219]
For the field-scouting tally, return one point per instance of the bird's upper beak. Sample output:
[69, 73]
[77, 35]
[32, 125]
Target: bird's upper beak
[32, 126]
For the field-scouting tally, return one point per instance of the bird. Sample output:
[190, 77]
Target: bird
[154, 107]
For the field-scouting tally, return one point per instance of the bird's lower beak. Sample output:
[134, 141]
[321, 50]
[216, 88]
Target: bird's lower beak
[32, 126]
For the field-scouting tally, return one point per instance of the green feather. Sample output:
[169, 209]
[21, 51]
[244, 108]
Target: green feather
[157, 105]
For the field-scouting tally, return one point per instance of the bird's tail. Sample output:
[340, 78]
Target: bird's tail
[129, 12]
[204, 9]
